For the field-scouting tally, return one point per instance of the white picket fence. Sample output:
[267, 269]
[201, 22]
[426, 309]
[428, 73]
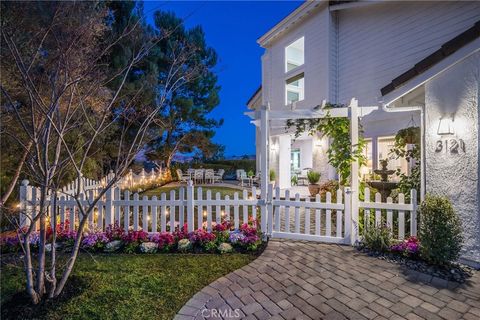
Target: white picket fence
[291, 216]
[128, 181]
[151, 214]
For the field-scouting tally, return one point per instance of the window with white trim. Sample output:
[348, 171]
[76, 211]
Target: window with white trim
[295, 89]
[295, 54]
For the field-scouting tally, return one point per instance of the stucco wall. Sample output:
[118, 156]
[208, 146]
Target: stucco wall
[456, 174]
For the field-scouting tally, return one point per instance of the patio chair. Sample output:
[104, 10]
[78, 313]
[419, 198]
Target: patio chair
[209, 176]
[218, 176]
[198, 175]
[182, 177]
[302, 176]
[242, 176]
[257, 178]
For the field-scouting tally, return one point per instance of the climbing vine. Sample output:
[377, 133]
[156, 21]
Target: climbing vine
[339, 153]
[410, 135]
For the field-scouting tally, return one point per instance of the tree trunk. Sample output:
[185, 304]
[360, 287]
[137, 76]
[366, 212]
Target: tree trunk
[53, 277]
[73, 256]
[29, 271]
[18, 170]
[40, 285]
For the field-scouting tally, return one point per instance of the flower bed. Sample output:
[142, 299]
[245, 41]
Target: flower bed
[222, 239]
[407, 253]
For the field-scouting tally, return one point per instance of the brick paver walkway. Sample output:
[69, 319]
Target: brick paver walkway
[306, 280]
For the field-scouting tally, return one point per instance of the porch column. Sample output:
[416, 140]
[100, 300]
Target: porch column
[354, 183]
[284, 154]
[264, 131]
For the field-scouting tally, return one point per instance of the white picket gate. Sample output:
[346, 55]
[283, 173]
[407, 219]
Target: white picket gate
[289, 217]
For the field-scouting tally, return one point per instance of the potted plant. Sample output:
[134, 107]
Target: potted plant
[313, 186]
[272, 177]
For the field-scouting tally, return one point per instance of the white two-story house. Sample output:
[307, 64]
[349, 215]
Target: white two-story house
[414, 59]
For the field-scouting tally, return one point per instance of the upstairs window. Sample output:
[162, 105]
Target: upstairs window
[295, 88]
[295, 55]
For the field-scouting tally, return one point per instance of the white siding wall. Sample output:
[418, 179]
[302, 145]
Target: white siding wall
[379, 42]
[316, 68]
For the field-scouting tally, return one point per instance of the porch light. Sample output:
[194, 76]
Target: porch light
[445, 126]
[274, 147]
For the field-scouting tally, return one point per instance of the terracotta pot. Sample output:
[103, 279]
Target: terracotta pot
[314, 189]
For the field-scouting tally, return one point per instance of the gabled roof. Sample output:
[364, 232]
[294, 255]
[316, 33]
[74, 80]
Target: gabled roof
[296, 16]
[445, 50]
[254, 95]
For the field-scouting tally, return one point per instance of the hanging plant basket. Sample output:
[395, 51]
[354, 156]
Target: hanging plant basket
[410, 135]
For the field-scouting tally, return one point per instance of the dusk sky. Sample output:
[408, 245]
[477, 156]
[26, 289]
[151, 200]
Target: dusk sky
[232, 29]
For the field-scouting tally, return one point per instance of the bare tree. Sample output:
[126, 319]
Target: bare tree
[64, 102]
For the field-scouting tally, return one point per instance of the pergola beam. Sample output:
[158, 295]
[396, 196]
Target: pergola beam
[311, 113]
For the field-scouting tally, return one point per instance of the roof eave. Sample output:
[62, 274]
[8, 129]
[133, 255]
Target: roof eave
[298, 14]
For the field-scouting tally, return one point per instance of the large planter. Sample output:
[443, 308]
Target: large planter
[314, 189]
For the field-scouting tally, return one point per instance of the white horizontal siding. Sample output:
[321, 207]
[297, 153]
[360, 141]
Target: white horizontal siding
[377, 43]
[316, 67]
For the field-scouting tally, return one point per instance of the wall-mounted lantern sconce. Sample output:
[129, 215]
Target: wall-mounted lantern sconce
[445, 126]
[274, 147]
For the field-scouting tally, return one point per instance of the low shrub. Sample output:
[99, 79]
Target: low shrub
[440, 230]
[378, 238]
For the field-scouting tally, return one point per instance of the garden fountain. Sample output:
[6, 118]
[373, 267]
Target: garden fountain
[383, 186]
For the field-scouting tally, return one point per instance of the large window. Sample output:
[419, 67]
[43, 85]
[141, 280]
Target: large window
[295, 88]
[384, 147]
[295, 55]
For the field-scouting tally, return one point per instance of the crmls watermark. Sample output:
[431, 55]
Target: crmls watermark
[226, 313]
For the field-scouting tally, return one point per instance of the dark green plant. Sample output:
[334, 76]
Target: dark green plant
[210, 246]
[378, 238]
[272, 175]
[313, 177]
[294, 181]
[339, 153]
[440, 230]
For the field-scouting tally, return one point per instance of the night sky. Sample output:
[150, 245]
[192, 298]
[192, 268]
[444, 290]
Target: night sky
[232, 29]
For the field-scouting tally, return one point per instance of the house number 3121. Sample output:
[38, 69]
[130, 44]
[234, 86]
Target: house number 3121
[450, 146]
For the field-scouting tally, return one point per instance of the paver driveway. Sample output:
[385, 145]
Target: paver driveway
[306, 280]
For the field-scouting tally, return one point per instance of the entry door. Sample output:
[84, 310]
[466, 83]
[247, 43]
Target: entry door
[295, 161]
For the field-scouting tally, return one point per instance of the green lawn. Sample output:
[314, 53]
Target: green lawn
[224, 191]
[123, 286]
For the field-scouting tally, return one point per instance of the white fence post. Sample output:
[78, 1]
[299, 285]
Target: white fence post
[350, 235]
[190, 207]
[355, 186]
[108, 207]
[413, 214]
[270, 209]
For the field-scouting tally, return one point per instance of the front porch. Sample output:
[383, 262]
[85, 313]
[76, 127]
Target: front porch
[292, 157]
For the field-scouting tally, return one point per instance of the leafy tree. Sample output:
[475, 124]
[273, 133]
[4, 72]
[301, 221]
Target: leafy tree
[62, 95]
[183, 118]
